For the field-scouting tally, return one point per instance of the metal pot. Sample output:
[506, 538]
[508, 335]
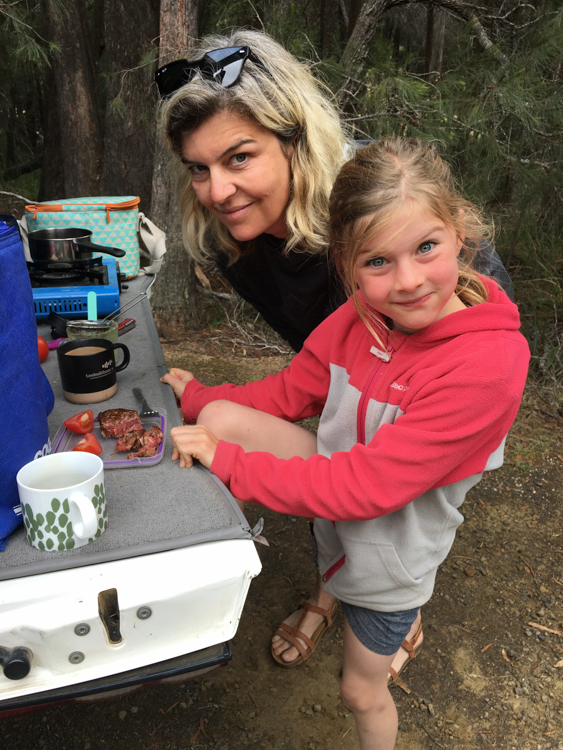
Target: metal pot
[72, 244]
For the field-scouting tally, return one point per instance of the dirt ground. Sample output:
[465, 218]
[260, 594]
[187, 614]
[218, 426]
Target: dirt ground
[490, 674]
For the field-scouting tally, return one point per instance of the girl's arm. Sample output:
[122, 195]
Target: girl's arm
[297, 392]
[178, 380]
[447, 434]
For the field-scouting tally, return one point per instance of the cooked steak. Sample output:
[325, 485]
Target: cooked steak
[153, 437]
[143, 453]
[129, 442]
[117, 422]
[147, 443]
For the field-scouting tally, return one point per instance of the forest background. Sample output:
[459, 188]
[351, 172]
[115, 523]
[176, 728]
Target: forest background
[483, 80]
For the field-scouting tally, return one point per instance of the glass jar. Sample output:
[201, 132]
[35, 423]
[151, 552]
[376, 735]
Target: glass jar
[92, 329]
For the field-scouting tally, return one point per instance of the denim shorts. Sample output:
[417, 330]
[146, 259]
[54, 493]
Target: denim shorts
[380, 632]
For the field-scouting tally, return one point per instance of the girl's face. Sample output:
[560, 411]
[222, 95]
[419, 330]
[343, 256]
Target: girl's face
[241, 174]
[411, 277]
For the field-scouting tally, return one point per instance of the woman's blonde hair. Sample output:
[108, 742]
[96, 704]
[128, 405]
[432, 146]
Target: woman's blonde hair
[382, 182]
[282, 96]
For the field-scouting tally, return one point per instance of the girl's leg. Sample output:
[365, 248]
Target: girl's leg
[255, 430]
[364, 689]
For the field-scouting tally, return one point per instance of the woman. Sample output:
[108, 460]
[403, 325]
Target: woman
[261, 144]
[273, 251]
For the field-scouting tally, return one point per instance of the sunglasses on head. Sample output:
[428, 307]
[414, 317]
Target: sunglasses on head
[223, 66]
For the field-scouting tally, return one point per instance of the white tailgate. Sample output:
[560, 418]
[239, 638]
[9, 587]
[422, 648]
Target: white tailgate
[195, 594]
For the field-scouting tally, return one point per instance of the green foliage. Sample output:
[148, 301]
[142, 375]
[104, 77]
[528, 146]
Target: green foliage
[24, 55]
[19, 22]
[27, 185]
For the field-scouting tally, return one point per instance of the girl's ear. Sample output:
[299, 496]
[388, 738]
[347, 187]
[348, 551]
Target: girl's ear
[461, 230]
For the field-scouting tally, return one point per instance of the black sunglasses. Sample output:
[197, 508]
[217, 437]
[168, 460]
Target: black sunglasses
[221, 65]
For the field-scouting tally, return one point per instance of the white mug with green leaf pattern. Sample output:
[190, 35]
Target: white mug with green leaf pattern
[63, 500]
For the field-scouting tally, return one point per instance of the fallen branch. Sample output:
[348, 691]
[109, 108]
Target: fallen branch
[202, 723]
[421, 725]
[547, 630]
[346, 732]
[217, 295]
[465, 630]
[15, 195]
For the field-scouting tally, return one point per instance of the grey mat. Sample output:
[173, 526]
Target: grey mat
[150, 509]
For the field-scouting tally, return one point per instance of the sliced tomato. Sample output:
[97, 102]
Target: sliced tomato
[80, 423]
[89, 444]
[43, 348]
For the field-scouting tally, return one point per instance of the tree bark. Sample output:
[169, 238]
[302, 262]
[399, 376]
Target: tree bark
[78, 110]
[435, 38]
[328, 27]
[52, 182]
[173, 299]
[357, 49]
[130, 28]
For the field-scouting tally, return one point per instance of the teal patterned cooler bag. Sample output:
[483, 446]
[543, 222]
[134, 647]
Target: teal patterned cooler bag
[113, 222]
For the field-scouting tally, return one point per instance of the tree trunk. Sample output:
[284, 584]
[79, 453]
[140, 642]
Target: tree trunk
[52, 182]
[173, 299]
[130, 28]
[78, 110]
[357, 49]
[328, 28]
[435, 38]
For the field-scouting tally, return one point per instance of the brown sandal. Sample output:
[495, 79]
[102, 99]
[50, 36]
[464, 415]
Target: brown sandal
[412, 650]
[292, 634]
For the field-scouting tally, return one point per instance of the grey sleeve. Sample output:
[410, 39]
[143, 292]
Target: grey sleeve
[488, 263]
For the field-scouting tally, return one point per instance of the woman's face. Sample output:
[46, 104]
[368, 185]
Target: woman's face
[241, 174]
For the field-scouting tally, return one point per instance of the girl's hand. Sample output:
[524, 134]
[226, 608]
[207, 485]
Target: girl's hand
[193, 441]
[178, 379]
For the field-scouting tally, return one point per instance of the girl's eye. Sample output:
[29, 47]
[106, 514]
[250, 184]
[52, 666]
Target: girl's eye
[426, 247]
[376, 262]
[239, 158]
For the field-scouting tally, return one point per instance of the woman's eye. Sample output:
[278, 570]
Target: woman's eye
[239, 158]
[426, 247]
[376, 262]
[197, 169]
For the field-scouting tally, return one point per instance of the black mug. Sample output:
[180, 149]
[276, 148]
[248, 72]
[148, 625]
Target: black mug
[88, 369]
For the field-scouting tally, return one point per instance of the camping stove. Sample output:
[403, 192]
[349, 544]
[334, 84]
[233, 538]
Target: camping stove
[63, 287]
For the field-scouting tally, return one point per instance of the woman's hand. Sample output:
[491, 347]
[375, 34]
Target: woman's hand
[193, 441]
[178, 379]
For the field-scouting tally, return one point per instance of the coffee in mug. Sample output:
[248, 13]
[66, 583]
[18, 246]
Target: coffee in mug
[63, 500]
[88, 369]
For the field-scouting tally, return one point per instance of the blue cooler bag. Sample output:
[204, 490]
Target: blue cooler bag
[26, 398]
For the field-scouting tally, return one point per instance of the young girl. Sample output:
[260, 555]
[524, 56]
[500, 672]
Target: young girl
[417, 379]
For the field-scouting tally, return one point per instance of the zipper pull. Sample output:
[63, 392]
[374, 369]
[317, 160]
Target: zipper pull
[385, 356]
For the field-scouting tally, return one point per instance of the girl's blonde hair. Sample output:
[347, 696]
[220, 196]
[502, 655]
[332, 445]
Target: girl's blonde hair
[282, 96]
[378, 185]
